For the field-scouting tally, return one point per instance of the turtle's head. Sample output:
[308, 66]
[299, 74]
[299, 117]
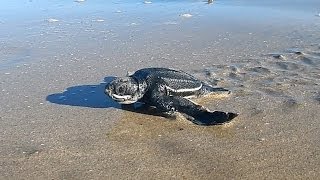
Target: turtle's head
[124, 90]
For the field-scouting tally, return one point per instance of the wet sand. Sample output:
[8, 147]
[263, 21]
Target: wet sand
[56, 123]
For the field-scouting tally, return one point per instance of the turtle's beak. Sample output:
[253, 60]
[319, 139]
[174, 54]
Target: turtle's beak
[107, 90]
[122, 99]
[125, 99]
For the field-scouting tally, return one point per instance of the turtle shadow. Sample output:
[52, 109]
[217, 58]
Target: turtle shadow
[93, 96]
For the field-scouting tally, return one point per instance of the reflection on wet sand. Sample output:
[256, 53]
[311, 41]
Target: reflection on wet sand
[140, 127]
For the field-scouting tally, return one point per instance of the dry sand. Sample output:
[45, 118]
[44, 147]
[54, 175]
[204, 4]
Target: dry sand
[56, 123]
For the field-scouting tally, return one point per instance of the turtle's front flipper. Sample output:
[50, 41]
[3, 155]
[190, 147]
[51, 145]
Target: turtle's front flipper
[199, 115]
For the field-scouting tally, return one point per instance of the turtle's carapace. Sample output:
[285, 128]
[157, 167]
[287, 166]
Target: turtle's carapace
[168, 90]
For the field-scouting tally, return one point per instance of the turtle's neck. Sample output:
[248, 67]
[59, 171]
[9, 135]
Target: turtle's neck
[142, 85]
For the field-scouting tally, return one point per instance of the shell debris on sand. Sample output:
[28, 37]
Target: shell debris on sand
[51, 20]
[98, 20]
[147, 2]
[170, 23]
[279, 56]
[133, 24]
[186, 15]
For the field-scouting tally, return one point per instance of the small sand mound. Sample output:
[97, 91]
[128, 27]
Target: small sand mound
[279, 56]
[290, 103]
[307, 60]
[287, 65]
[261, 70]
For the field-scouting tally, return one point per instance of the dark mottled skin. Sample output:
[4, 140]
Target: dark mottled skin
[158, 87]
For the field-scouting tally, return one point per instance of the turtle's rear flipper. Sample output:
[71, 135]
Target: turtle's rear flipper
[198, 114]
[207, 118]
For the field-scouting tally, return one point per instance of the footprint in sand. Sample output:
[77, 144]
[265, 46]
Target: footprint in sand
[255, 111]
[273, 92]
[306, 56]
[290, 66]
[314, 53]
[279, 56]
[261, 70]
[290, 104]
[307, 60]
[296, 59]
[317, 97]
[242, 77]
[295, 51]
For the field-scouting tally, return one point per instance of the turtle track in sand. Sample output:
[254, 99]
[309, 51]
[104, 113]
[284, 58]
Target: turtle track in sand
[288, 79]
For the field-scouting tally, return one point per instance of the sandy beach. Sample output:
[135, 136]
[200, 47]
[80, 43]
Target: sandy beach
[56, 58]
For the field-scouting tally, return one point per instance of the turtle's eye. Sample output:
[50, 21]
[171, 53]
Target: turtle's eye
[121, 90]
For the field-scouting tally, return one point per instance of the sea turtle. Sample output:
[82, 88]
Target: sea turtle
[168, 90]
